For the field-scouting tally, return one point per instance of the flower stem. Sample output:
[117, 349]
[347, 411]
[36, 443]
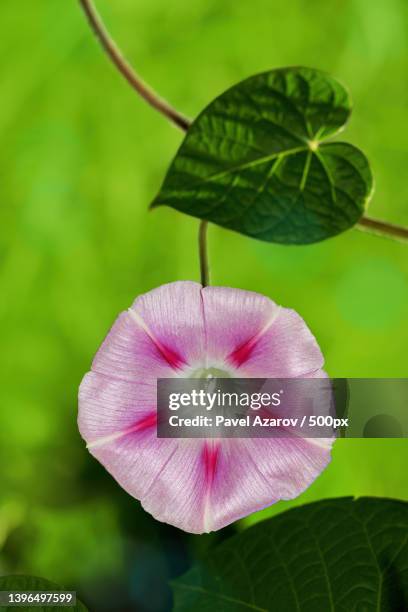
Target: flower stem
[118, 59]
[384, 229]
[203, 253]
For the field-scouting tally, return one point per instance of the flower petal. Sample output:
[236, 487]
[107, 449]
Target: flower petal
[172, 315]
[110, 408]
[157, 337]
[195, 485]
[285, 350]
[255, 473]
[233, 320]
[255, 337]
[136, 460]
[168, 476]
[128, 353]
[229, 479]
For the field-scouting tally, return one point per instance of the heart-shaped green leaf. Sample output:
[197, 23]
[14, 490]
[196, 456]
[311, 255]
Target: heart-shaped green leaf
[336, 555]
[254, 160]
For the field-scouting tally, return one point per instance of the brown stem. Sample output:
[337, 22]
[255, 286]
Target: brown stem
[114, 53]
[384, 229]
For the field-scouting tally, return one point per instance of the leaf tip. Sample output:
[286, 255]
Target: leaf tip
[154, 204]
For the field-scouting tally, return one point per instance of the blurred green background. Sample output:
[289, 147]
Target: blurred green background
[81, 159]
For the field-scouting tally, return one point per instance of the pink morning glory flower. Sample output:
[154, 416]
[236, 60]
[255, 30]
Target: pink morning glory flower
[183, 329]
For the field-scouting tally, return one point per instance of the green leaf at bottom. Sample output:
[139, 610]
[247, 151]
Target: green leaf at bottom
[336, 555]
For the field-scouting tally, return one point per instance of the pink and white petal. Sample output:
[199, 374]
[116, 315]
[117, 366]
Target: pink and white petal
[173, 317]
[178, 495]
[289, 465]
[253, 474]
[166, 475]
[234, 318]
[195, 485]
[286, 349]
[136, 459]
[128, 353]
[223, 483]
[110, 407]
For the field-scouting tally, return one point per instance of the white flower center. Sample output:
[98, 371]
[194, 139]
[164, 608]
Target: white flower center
[209, 373]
